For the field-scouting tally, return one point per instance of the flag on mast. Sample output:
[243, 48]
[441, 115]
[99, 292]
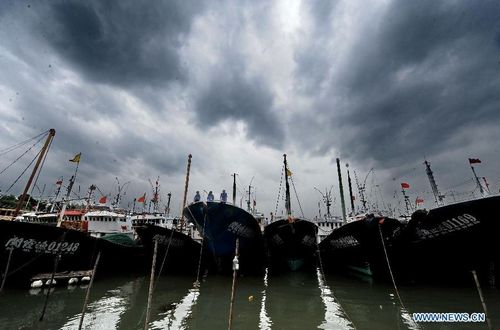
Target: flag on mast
[76, 159]
[103, 200]
[474, 161]
[142, 199]
[405, 185]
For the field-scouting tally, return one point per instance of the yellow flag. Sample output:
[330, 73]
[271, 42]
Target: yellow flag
[288, 172]
[76, 159]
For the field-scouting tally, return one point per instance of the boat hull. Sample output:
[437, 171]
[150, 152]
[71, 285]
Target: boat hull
[357, 247]
[291, 246]
[182, 252]
[447, 243]
[222, 225]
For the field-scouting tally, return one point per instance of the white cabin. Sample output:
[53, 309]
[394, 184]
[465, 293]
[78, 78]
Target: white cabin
[105, 222]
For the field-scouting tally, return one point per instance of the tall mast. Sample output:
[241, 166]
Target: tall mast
[43, 152]
[249, 194]
[38, 202]
[407, 201]
[169, 195]
[438, 198]
[342, 201]
[481, 190]
[234, 189]
[351, 196]
[65, 199]
[287, 191]
[185, 190]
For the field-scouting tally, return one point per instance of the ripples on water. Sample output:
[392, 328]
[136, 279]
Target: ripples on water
[291, 301]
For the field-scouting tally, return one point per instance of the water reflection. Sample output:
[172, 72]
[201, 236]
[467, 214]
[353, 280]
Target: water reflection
[288, 301]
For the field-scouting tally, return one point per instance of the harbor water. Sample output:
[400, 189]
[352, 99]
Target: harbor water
[290, 301]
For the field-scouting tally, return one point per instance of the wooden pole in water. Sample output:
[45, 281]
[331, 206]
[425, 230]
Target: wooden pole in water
[52, 132]
[482, 299]
[56, 263]
[151, 285]
[87, 295]
[236, 266]
[185, 190]
[6, 269]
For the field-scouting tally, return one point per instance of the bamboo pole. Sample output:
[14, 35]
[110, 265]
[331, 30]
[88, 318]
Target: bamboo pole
[236, 266]
[186, 185]
[483, 303]
[6, 269]
[151, 286]
[87, 295]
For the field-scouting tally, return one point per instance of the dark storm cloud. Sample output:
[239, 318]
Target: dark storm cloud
[121, 42]
[231, 96]
[425, 72]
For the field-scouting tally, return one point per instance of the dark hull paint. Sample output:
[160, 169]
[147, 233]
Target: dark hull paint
[357, 246]
[447, 243]
[291, 246]
[183, 252]
[221, 224]
[35, 247]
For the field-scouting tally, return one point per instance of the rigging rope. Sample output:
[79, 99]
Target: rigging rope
[39, 171]
[279, 191]
[20, 175]
[297, 196]
[5, 169]
[20, 144]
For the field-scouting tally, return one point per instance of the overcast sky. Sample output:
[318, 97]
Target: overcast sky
[136, 87]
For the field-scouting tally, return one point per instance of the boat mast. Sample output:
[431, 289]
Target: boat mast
[481, 190]
[351, 196]
[167, 210]
[234, 189]
[66, 199]
[341, 187]
[42, 155]
[287, 191]
[437, 196]
[407, 201]
[185, 190]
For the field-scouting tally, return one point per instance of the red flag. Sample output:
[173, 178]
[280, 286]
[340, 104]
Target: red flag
[419, 201]
[405, 185]
[103, 200]
[59, 182]
[474, 161]
[142, 199]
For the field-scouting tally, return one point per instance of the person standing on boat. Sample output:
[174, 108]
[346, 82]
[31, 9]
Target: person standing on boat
[210, 197]
[197, 197]
[223, 196]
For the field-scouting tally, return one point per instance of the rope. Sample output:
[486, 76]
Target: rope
[297, 196]
[20, 175]
[279, 191]
[164, 258]
[390, 271]
[24, 153]
[197, 283]
[483, 303]
[20, 144]
[6, 269]
[323, 283]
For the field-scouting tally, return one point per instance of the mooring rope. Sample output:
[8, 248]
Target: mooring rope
[483, 303]
[392, 275]
[6, 269]
[197, 282]
[164, 257]
[322, 274]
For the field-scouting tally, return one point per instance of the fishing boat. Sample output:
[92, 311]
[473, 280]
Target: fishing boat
[177, 250]
[447, 242]
[359, 246]
[224, 226]
[291, 242]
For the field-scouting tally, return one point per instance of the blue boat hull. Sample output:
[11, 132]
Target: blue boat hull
[221, 225]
